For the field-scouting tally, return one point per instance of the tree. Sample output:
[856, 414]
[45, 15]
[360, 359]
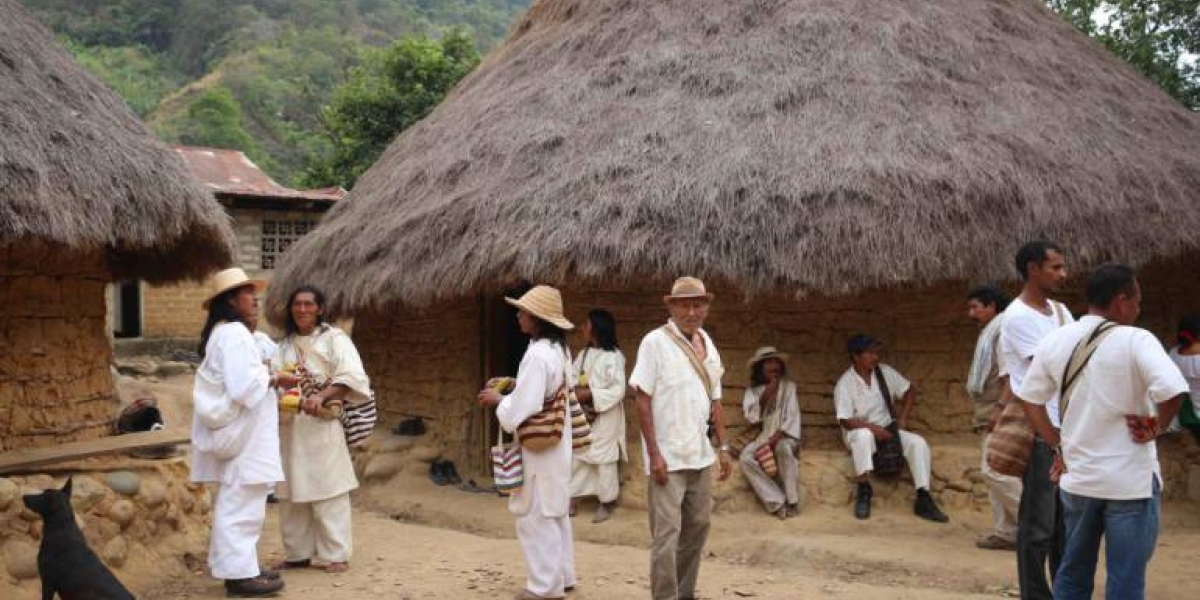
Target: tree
[1161, 38]
[392, 89]
[214, 119]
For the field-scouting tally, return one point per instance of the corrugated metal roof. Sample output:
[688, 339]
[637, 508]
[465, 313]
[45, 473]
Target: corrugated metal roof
[231, 173]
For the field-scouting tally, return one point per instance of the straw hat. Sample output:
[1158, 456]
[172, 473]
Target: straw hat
[688, 287]
[764, 353]
[545, 303]
[228, 279]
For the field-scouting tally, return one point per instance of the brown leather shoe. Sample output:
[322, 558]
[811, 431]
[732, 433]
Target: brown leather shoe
[254, 587]
[995, 542]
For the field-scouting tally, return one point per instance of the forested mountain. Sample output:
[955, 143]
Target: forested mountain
[254, 74]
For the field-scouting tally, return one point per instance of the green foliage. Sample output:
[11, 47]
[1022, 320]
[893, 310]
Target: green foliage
[1160, 38]
[214, 119]
[393, 89]
[132, 71]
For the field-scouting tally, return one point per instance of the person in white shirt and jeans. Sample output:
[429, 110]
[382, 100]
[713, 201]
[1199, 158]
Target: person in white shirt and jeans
[1112, 402]
[1028, 320]
[677, 379]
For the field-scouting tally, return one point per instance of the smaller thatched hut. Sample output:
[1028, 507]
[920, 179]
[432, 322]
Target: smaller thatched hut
[86, 196]
[830, 167]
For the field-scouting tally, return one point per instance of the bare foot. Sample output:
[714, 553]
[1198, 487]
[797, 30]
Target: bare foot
[337, 567]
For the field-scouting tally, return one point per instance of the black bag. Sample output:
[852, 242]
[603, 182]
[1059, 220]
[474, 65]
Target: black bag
[889, 454]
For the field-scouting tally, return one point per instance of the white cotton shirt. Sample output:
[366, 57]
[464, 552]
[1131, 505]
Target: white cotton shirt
[606, 379]
[854, 398]
[543, 370]
[1022, 330]
[233, 358]
[678, 401]
[1128, 367]
[266, 345]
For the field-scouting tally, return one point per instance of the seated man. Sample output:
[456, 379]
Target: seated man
[868, 421]
[770, 404]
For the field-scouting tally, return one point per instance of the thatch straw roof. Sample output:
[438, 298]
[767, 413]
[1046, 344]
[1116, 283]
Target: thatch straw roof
[803, 145]
[78, 169]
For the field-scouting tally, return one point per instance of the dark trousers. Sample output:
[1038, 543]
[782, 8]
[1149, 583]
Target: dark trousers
[1039, 526]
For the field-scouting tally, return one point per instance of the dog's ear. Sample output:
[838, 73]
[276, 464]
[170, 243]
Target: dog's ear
[66, 488]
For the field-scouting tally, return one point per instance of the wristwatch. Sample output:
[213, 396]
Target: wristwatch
[724, 447]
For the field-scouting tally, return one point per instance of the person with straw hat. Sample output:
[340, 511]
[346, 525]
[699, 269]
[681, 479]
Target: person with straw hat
[677, 378]
[771, 402]
[542, 503]
[235, 434]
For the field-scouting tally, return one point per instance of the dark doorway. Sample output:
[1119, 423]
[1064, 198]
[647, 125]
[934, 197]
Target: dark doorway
[127, 310]
[503, 346]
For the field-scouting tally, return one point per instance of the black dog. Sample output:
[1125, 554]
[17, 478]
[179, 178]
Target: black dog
[67, 566]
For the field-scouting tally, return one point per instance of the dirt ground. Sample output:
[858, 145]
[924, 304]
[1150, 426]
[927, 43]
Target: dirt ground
[415, 540]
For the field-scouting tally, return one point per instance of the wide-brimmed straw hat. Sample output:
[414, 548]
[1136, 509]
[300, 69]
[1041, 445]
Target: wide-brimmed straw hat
[227, 280]
[686, 288]
[764, 353]
[545, 303]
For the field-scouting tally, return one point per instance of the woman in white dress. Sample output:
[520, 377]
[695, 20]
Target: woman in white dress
[543, 527]
[601, 390]
[235, 434]
[314, 502]
[1187, 357]
[771, 401]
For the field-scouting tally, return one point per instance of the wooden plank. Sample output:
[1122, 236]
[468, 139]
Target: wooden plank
[28, 458]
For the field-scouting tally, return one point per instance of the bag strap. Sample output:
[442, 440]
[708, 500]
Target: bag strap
[1079, 359]
[500, 434]
[694, 359]
[883, 388]
[1058, 312]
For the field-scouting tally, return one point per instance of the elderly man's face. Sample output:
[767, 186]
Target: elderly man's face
[689, 313]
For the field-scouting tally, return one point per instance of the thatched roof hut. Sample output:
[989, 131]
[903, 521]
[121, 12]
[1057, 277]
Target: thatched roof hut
[87, 196]
[78, 169]
[804, 145]
[868, 155]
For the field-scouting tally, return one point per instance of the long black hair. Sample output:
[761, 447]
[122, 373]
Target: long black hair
[220, 310]
[604, 329]
[759, 377]
[545, 330]
[289, 325]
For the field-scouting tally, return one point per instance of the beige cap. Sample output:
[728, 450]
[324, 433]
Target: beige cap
[686, 288]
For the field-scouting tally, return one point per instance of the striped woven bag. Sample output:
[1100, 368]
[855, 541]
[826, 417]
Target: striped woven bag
[581, 430]
[508, 472]
[543, 430]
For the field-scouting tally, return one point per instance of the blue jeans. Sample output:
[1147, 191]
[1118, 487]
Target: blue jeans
[1130, 529]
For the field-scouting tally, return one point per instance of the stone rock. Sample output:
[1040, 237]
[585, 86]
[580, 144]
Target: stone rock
[122, 512]
[9, 491]
[137, 366]
[171, 368]
[1193, 483]
[396, 443]
[20, 558]
[115, 552]
[153, 492]
[125, 483]
[383, 466]
[86, 492]
[424, 453]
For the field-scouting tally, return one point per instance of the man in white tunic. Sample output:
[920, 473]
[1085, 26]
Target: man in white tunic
[1027, 321]
[866, 419]
[987, 385]
[678, 382]
[235, 434]
[1114, 384]
[601, 368]
[541, 505]
[771, 402]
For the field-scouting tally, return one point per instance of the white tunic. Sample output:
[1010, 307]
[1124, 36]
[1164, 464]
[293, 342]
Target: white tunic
[1021, 331]
[233, 361]
[854, 398]
[548, 473]
[606, 379]
[680, 404]
[316, 459]
[1129, 374]
[785, 416]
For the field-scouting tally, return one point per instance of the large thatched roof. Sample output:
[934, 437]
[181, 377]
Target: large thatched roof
[78, 169]
[802, 145]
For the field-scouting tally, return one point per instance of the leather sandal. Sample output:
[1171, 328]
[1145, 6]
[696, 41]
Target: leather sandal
[337, 567]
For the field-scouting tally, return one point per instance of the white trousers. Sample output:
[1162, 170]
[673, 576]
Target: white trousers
[1004, 494]
[320, 530]
[601, 481]
[767, 488]
[916, 453]
[548, 549]
[238, 517]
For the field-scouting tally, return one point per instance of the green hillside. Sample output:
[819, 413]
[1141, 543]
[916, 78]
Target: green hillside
[252, 74]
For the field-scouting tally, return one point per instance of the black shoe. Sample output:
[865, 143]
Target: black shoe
[271, 499]
[862, 503]
[254, 587]
[926, 508]
[437, 473]
[450, 472]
